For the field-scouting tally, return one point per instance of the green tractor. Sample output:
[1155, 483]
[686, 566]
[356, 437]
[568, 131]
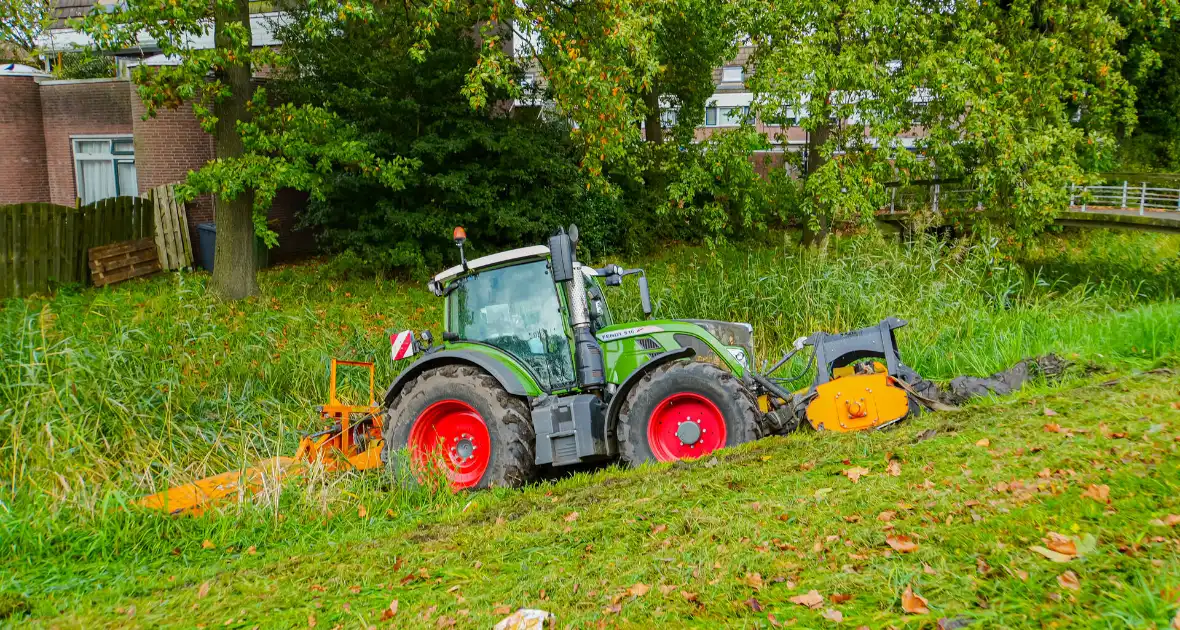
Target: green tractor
[532, 373]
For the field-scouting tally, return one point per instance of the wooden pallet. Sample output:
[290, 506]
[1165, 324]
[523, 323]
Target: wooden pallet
[172, 235]
[122, 261]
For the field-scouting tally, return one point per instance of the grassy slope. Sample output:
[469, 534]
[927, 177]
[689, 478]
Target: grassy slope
[703, 528]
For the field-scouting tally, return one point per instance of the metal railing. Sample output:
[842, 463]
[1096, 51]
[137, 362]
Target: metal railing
[1142, 198]
[1126, 197]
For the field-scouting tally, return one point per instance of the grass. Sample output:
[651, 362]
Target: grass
[110, 394]
[729, 541]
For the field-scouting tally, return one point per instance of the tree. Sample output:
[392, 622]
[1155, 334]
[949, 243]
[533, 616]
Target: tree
[21, 24]
[509, 178]
[260, 146]
[1015, 99]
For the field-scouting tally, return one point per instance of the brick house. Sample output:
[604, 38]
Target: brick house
[62, 141]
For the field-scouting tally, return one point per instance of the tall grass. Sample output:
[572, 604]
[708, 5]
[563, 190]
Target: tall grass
[114, 393]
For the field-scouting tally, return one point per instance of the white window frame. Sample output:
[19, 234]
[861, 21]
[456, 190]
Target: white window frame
[115, 158]
[728, 74]
[720, 119]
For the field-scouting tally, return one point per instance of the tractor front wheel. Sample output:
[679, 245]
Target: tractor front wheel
[458, 420]
[685, 410]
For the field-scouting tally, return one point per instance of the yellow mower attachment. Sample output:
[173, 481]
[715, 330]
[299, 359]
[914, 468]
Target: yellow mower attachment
[857, 402]
[353, 442]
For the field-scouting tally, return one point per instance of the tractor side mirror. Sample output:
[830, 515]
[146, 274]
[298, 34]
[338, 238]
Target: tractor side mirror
[644, 294]
[561, 251]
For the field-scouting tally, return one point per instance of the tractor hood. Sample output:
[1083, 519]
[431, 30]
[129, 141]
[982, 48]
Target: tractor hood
[728, 333]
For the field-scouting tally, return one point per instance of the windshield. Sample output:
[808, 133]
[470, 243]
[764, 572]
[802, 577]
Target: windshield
[517, 310]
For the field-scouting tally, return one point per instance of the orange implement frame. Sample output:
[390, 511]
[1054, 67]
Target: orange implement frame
[353, 441]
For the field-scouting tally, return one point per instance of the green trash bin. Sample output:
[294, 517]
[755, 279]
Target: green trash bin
[207, 235]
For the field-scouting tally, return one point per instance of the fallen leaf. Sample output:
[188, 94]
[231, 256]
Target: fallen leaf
[252, 550]
[690, 597]
[571, 517]
[928, 570]
[894, 468]
[901, 544]
[1050, 554]
[1023, 575]
[1052, 427]
[666, 588]
[311, 621]
[502, 610]
[659, 529]
[1100, 493]
[1050, 412]
[754, 605]
[1168, 521]
[886, 516]
[207, 544]
[362, 511]
[806, 465]
[316, 588]
[1176, 619]
[839, 598]
[773, 620]
[1069, 580]
[913, 603]
[612, 609]
[203, 591]
[753, 580]
[984, 443]
[834, 615]
[356, 590]
[1061, 544]
[855, 473]
[391, 610]
[638, 590]
[810, 599]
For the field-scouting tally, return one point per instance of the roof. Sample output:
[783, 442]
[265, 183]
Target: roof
[65, 10]
[21, 70]
[535, 251]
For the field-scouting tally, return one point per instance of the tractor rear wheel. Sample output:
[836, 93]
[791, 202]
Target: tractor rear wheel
[685, 410]
[459, 418]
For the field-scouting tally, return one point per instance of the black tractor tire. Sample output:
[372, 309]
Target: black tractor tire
[513, 445]
[744, 422]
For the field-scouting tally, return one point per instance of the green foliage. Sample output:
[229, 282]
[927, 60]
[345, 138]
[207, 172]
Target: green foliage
[510, 179]
[1154, 69]
[84, 65]
[283, 146]
[21, 24]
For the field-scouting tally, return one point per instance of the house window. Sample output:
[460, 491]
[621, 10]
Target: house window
[105, 167]
[710, 116]
[725, 116]
[731, 74]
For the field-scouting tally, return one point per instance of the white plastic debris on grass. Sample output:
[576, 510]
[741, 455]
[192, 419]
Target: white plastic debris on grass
[526, 619]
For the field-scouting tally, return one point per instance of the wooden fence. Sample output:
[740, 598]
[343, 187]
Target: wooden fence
[44, 244]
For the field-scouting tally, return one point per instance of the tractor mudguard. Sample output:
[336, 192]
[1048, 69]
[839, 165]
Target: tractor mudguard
[509, 381]
[616, 402]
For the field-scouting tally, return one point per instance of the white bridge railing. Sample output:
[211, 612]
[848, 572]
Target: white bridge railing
[1142, 198]
[1126, 197]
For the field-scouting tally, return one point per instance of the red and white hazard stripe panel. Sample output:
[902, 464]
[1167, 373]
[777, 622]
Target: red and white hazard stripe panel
[402, 344]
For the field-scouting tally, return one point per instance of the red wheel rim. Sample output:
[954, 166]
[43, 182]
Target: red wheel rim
[453, 434]
[685, 426]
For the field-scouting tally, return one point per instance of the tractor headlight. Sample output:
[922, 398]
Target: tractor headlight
[739, 355]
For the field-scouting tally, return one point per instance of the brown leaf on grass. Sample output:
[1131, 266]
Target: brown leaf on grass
[810, 599]
[207, 544]
[203, 590]
[502, 610]
[1168, 521]
[1061, 544]
[356, 589]
[252, 550]
[658, 529]
[1052, 427]
[391, 610]
[894, 468]
[981, 566]
[1176, 406]
[666, 588]
[362, 511]
[311, 621]
[316, 588]
[1069, 580]
[806, 465]
[1050, 554]
[1023, 575]
[984, 443]
[928, 570]
[832, 614]
[773, 620]
[690, 597]
[855, 473]
[753, 604]
[839, 598]
[1176, 619]
[571, 517]
[901, 544]
[612, 609]
[886, 516]
[638, 590]
[753, 580]
[1100, 493]
[1050, 412]
[913, 603]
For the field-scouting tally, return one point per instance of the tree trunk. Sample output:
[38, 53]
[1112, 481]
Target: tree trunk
[234, 261]
[654, 134]
[813, 237]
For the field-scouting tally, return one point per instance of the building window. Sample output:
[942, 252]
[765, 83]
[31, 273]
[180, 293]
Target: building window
[725, 116]
[731, 74]
[105, 167]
